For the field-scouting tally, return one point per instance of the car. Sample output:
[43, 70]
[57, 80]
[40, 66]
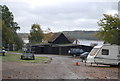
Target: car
[84, 55]
[2, 52]
[75, 51]
[27, 56]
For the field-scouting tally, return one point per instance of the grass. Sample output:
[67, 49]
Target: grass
[16, 58]
[17, 51]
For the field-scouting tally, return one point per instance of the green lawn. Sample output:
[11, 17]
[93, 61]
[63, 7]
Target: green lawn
[17, 51]
[16, 58]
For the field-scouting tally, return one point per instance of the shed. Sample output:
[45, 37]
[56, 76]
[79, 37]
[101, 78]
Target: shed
[59, 38]
[58, 44]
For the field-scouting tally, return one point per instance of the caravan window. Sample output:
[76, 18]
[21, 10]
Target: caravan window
[105, 52]
[93, 52]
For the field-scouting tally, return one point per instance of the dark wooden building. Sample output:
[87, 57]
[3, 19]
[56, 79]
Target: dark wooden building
[58, 44]
[59, 38]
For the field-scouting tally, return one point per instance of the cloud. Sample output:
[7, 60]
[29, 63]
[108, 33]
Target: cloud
[60, 15]
[111, 12]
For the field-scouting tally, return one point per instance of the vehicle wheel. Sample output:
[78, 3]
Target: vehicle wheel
[112, 65]
[91, 63]
[22, 57]
[33, 57]
[119, 65]
[3, 54]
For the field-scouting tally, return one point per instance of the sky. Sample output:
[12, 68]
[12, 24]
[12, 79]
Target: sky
[60, 15]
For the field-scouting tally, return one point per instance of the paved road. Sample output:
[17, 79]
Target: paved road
[61, 67]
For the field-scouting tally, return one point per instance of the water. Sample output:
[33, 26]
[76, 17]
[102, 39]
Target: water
[88, 42]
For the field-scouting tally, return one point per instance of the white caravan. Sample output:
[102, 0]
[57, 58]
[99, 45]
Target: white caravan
[105, 54]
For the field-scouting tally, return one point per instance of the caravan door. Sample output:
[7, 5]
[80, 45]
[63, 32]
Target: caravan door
[92, 54]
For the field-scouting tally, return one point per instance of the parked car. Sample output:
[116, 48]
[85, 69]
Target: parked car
[27, 56]
[2, 52]
[84, 55]
[75, 51]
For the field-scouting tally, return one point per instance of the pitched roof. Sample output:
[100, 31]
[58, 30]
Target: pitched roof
[54, 37]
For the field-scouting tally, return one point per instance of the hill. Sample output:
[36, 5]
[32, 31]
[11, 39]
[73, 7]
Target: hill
[88, 35]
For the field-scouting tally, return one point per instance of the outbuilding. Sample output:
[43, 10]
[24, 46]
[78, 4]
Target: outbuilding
[58, 44]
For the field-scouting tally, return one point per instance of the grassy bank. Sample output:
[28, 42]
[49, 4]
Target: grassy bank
[16, 58]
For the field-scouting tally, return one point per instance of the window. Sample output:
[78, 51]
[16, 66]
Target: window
[105, 52]
[94, 51]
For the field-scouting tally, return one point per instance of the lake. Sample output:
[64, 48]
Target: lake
[88, 42]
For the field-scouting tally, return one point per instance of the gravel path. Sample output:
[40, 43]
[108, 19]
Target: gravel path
[61, 67]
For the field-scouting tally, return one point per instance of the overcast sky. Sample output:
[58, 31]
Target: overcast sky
[60, 15]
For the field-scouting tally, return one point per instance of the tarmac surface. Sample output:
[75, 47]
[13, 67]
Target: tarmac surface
[61, 67]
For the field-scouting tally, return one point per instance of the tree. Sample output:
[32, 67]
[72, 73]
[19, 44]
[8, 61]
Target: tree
[47, 34]
[110, 29]
[36, 34]
[9, 28]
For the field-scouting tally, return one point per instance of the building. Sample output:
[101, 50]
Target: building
[57, 44]
[59, 38]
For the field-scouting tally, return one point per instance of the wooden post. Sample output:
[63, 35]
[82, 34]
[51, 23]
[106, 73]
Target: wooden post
[59, 50]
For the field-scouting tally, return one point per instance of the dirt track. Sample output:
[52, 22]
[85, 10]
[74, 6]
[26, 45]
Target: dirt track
[61, 67]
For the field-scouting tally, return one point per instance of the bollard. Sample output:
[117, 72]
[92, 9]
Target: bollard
[77, 61]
